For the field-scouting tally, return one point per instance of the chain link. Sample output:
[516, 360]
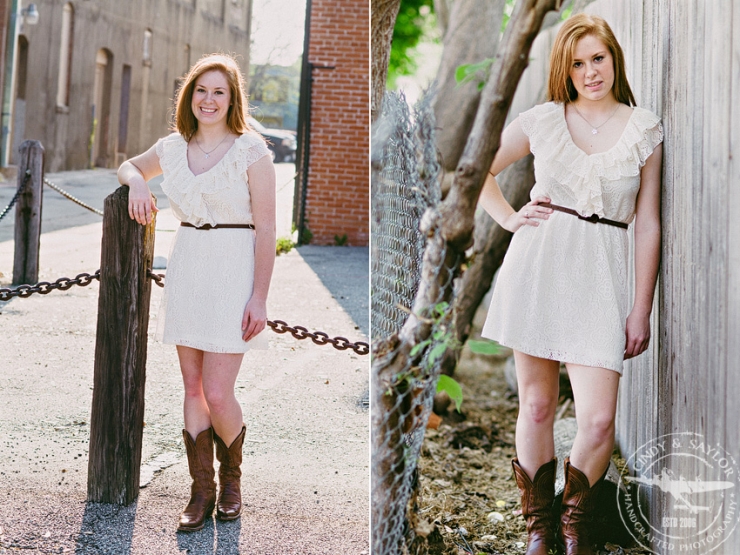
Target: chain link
[319, 337]
[71, 197]
[46, 287]
[17, 194]
[278, 326]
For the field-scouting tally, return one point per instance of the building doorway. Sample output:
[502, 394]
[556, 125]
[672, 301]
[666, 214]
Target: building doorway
[101, 107]
[19, 107]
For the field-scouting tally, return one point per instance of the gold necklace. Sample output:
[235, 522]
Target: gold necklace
[595, 129]
[209, 152]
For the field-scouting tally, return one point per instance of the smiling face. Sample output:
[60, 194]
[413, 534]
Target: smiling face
[592, 69]
[211, 98]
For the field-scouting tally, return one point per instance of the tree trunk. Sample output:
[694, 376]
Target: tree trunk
[384, 13]
[472, 35]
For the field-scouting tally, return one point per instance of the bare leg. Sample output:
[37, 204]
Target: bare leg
[195, 409]
[219, 377]
[538, 383]
[595, 396]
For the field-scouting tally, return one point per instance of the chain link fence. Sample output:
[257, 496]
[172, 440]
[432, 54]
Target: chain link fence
[411, 316]
[404, 185]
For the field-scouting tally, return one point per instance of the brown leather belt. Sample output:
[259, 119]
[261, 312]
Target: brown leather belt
[593, 218]
[218, 226]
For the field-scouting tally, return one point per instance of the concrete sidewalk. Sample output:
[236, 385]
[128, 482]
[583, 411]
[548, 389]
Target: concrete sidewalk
[306, 454]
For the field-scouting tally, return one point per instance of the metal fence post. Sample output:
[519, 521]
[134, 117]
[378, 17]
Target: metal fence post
[117, 420]
[28, 214]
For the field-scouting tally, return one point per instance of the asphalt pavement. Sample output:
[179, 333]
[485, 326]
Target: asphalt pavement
[306, 454]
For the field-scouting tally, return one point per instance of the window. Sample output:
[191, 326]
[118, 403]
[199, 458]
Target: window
[65, 56]
[147, 54]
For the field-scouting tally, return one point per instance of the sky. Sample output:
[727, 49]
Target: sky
[277, 31]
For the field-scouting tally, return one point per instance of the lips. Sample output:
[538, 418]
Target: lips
[208, 110]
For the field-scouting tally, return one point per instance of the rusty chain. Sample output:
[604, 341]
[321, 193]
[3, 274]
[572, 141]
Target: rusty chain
[319, 337]
[17, 194]
[45, 287]
[278, 326]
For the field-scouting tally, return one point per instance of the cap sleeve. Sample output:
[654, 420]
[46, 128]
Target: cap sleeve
[162, 146]
[254, 148]
[651, 133]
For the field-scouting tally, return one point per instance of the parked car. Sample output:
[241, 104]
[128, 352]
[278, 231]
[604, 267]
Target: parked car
[282, 143]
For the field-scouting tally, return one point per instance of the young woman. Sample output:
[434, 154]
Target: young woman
[561, 294]
[220, 181]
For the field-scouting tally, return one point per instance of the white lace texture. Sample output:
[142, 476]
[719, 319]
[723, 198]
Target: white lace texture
[561, 292]
[210, 274]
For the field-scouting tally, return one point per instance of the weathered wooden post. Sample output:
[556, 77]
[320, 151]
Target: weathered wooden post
[28, 214]
[117, 420]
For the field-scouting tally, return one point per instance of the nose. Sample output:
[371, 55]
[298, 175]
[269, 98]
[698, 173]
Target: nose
[590, 70]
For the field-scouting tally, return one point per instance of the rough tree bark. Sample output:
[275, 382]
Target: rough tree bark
[471, 36]
[383, 19]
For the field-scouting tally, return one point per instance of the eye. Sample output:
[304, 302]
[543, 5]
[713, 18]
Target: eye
[577, 64]
[598, 58]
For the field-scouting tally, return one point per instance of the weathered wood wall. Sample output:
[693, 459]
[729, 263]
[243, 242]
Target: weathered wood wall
[683, 63]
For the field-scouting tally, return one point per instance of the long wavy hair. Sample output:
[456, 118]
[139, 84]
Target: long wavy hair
[236, 119]
[559, 84]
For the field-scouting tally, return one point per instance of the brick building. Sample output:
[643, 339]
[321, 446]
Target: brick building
[94, 80]
[332, 188]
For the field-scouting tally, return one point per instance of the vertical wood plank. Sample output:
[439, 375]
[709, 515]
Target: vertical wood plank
[116, 424]
[730, 411]
[28, 214]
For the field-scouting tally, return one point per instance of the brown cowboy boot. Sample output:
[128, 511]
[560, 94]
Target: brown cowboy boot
[203, 490]
[537, 497]
[579, 498]
[229, 505]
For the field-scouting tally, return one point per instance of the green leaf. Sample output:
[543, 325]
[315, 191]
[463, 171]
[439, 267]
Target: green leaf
[466, 72]
[484, 347]
[437, 352]
[418, 347]
[566, 12]
[452, 388]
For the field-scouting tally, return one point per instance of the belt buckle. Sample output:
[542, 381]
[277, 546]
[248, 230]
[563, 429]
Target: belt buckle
[206, 227]
[593, 218]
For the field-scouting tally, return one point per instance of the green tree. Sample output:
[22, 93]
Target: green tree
[415, 20]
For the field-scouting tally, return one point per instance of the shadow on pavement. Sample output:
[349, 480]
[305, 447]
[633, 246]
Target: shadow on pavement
[106, 528]
[345, 272]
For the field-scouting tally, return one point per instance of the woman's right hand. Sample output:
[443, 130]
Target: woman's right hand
[528, 215]
[140, 202]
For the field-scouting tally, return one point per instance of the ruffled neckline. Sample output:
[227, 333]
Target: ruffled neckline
[553, 148]
[608, 150]
[187, 190]
[234, 147]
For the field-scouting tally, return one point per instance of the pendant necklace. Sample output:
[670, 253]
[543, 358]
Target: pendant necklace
[594, 129]
[218, 145]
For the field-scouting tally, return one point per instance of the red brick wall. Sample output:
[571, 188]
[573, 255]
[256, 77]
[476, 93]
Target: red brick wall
[337, 200]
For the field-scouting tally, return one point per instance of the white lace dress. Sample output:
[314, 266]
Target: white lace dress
[210, 274]
[561, 292]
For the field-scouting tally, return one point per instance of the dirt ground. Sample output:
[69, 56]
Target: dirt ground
[467, 489]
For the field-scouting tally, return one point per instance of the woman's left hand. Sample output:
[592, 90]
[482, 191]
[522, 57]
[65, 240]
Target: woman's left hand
[638, 334]
[254, 320]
